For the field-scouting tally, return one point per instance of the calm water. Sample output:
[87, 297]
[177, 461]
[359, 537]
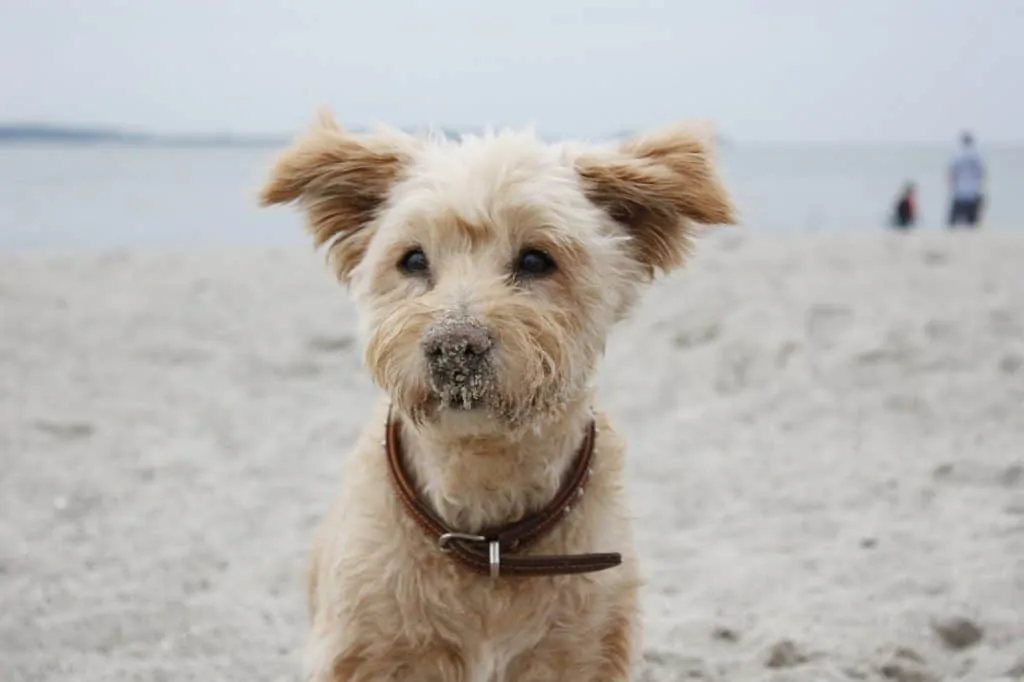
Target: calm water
[82, 197]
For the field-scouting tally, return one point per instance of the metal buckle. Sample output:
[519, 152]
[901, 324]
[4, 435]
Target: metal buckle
[494, 555]
[493, 548]
[442, 542]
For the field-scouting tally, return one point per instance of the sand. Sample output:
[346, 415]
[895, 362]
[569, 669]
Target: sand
[826, 457]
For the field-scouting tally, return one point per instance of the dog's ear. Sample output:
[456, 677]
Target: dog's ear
[340, 179]
[657, 186]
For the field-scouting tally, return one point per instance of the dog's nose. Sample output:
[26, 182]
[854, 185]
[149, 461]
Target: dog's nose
[456, 343]
[458, 353]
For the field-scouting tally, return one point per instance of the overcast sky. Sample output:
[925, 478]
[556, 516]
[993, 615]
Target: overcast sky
[765, 70]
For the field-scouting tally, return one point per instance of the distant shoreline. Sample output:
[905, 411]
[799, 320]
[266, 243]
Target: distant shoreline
[14, 134]
[55, 134]
[42, 133]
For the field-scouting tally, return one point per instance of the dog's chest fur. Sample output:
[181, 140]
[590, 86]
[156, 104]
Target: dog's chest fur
[375, 569]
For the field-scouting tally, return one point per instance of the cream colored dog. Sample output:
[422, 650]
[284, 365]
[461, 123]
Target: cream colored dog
[488, 273]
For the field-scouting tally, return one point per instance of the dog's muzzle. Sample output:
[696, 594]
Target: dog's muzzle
[458, 353]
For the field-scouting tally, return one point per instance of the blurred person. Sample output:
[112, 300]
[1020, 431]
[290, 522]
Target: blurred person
[966, 180]
[905, 212]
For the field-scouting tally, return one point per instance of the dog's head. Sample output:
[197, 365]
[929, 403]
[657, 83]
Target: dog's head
[489, 271]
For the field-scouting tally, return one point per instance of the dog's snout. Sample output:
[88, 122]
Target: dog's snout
[458, 354]
[456, 341]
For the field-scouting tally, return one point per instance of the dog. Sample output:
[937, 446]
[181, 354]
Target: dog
[482, 533]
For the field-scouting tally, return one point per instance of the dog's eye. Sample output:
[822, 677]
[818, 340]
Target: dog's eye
[534, 263]
[414, 262]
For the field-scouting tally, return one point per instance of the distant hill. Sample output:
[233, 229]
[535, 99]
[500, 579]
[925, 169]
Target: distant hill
[36, 132]
[59, 134]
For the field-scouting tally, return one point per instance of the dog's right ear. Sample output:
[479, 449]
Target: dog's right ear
[340, 179]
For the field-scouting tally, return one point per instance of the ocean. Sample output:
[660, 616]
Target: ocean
[107, 197]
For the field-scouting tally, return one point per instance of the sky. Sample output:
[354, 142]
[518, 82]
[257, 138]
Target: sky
[762, 70]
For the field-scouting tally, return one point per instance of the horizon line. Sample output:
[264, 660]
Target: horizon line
[48, 131]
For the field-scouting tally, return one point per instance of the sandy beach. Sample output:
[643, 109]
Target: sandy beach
[826, 441]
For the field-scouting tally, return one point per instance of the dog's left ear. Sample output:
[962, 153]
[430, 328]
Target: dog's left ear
[341, 179]
[657, 186]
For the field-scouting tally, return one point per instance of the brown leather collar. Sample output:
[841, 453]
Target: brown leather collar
[495, 551]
